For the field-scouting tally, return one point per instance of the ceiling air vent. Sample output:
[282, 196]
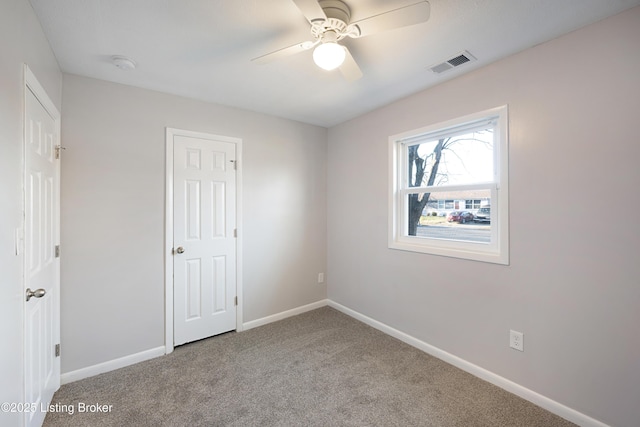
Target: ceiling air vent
[456, 61]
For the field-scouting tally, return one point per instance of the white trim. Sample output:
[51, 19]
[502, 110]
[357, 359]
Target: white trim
[284, 314]
[132, 359]
[239, 248]
[497, 251]
[34, 85]
[168, 237]
[449, 188]
[111, 365]
[495, 379]
[168, 244]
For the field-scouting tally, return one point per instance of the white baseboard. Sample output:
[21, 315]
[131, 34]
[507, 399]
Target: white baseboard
[508, 385]
[111, 365]
[284, 314]
[495, 379]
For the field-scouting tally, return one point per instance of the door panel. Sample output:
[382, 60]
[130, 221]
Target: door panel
[204, 220]
[219, 284]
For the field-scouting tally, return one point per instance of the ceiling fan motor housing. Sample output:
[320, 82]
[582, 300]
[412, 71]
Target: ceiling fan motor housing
[336, 9]
[338, 17]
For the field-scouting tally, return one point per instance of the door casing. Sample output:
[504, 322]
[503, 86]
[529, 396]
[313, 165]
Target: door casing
[168, 250]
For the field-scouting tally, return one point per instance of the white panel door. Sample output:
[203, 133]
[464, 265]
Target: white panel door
[204, 255]
[42, 266]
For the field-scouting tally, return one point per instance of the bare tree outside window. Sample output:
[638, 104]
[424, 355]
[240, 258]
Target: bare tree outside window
[445, 161]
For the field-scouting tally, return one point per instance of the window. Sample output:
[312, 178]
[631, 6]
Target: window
[442, 176]
[472, 204]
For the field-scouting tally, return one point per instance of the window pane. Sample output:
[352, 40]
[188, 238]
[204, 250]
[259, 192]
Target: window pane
[458, 160]
[436, 222]
[472, 204]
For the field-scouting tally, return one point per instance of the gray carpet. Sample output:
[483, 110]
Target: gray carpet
[321, 368]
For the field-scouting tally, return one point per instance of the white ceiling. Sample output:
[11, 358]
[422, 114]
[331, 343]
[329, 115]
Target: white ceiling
[202, 49]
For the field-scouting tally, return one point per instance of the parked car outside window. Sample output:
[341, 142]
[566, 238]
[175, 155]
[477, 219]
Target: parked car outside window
[483, 215]
[460, 216]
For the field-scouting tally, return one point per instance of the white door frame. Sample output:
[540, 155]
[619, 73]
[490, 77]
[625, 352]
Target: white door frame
[168, 237]
[32, 84]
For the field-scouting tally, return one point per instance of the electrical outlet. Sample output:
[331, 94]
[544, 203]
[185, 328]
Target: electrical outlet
[320, 277]
[516, 340]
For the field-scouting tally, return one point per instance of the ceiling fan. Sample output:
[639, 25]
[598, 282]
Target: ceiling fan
[331, 22]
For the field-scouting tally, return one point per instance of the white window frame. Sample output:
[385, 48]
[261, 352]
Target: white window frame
[497, 251]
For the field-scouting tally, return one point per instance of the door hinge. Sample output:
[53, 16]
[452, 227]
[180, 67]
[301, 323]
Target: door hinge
[235, 301]
[235, 232]
[57, 251]
[235, 164]
[58, 149]
[57, 350]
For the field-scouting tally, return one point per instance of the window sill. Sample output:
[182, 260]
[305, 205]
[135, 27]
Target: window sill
[467, 252]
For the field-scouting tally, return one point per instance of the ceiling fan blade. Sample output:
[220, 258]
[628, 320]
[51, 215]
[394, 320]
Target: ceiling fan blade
[284, 52]
[311, 10]
[349, 67]
[402, 17]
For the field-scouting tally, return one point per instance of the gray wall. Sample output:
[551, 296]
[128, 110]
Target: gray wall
[113, 193]
[21, 41]
[573, 284]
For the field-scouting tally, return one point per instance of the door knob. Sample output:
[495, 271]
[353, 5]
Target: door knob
[180, 250]
[38, 293]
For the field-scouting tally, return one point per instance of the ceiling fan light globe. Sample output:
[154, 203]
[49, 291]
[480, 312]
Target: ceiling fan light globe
[329, 56]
